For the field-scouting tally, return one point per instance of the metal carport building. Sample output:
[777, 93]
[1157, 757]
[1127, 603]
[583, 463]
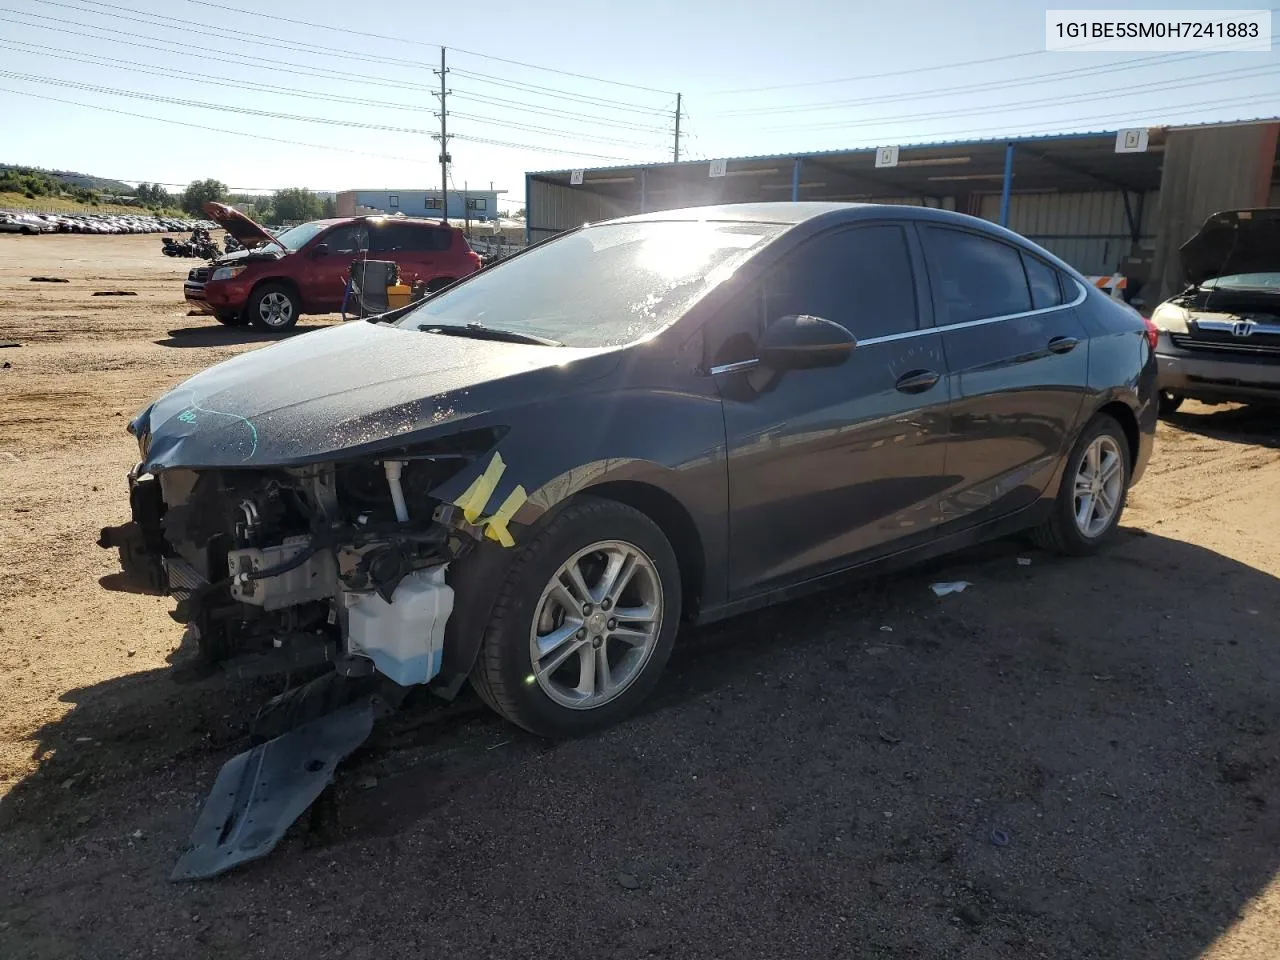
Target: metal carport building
[1091, 198]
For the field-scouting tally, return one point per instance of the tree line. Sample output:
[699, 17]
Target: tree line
[293, 204]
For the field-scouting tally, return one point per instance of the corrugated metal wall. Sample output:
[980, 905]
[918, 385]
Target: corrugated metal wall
[552, 207]
[1207, 171]
[1088, 230]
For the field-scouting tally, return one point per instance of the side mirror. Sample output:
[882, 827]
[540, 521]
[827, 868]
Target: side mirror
[804, 343]
[320, 249]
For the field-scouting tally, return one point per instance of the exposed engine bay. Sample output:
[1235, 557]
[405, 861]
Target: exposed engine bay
[307, 565]
[301, 568]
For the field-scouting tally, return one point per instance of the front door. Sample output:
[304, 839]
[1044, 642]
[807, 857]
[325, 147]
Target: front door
[830, 466]
[1018, 358]
[328, 259]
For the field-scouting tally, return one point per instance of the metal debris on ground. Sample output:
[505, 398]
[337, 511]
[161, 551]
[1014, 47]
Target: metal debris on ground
[260, 792]
[1000, 837]
[9, 343]
[950, 586]
[1024, 561]
[49, 280]
[114, 293]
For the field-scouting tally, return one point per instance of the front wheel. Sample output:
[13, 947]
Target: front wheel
[584, 622]
[274, 306]
[1091, 498]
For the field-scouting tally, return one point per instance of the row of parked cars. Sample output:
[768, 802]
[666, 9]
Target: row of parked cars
[37, 223]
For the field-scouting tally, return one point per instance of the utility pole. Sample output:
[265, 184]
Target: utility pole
[444, 141]
[679, 97]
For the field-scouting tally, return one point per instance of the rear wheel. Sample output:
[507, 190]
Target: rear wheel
[231, 318]
[1092, 495]
[584, 623]
[1169, 403]
[273, 306]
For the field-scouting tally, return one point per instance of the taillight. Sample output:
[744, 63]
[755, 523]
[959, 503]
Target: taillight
[475, 259]
[1153, 332]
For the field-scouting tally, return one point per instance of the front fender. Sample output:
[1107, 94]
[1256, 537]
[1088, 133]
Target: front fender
[671, 440]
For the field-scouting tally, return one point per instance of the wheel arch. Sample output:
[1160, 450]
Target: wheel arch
[1123, 414]
[676, 524]
[283, 281]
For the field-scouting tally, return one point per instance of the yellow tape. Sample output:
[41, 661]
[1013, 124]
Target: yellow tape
[497, 524]
[477, 495]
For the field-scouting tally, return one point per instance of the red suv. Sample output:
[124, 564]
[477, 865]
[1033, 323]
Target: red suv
[276, 279]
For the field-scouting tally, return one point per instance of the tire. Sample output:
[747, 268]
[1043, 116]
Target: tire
[1062, 532]
[273, 306]
[231, 318]
[527, 606]
[1169, 403]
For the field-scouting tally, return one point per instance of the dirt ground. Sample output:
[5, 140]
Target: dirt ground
[835, 777]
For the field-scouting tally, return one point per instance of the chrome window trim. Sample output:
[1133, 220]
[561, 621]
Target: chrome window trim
[733, 367]
[947, 328]
[1082, 292]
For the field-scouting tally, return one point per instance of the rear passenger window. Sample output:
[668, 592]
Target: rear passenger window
[408, 237]
[1046, 291]
[974, 278]
[859, 278]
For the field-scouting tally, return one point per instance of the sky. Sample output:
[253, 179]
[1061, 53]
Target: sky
[265, 94]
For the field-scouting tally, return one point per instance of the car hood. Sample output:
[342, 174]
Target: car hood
[237, 224]
[1233, 242]
[357, 389]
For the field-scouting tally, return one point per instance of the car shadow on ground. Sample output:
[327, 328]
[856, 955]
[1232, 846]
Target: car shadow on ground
[1252, 424]
[217, 335]
[1070, 758]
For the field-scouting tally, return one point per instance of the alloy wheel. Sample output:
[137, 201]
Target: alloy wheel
[275, 309]
[596, 625]
[1099, 484]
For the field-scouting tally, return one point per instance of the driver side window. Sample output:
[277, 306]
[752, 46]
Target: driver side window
[349, 239]
[860, 278]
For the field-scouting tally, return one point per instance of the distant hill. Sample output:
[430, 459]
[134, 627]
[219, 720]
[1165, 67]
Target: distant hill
[85, 180]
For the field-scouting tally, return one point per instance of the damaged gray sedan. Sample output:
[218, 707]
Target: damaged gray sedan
[531, 478]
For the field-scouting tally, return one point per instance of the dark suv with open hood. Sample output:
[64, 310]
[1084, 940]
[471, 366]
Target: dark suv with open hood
[1220, 337]
[277, 278]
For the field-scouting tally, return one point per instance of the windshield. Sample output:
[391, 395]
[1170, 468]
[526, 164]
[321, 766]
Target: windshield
[601, 286]
[1245, 281]
[295, 238]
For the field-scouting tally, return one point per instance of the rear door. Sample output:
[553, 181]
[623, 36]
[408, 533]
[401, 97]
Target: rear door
[1018, 359]
[419, 248]
[830, 466]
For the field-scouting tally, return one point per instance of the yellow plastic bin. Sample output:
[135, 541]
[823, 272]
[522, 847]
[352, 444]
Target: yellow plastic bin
[399, 295]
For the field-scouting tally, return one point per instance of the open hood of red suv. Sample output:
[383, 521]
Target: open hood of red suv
[237, 224]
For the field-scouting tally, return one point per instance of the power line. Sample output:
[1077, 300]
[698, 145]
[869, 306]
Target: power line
[1204, 78]
[258, 14]
[200, 126]
[977, 87]
[62, 53]
[258, 38]
[252, 111]
[200, 104]
[317, 146]
[581, 98]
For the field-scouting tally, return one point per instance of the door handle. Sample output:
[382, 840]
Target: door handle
[1063, 344]
[917, 381]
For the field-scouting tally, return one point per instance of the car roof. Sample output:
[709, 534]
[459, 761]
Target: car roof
[817, 216]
